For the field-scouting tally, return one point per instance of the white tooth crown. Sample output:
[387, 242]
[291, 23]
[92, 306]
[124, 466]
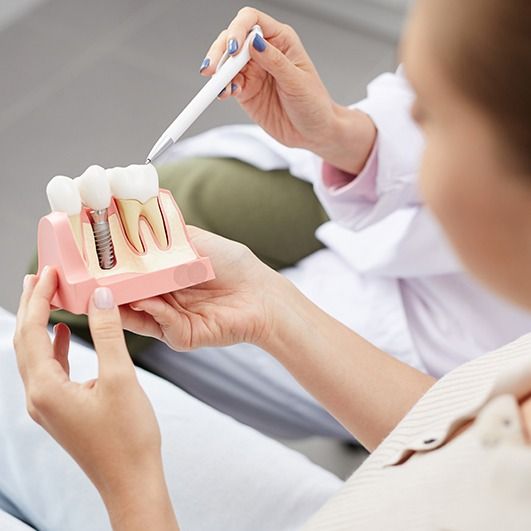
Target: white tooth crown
[94, 188]
[136, 190]
[63, 195]
[137, 181]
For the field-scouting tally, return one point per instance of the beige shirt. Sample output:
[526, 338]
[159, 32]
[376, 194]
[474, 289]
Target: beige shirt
[418, 479]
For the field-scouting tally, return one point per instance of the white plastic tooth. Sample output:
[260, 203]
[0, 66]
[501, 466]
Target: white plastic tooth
[63, 196]
[136, 190]
[94, 188]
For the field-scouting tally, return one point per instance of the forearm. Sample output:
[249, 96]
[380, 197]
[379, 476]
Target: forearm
[348, 141]
[367, 390]
[139, 502]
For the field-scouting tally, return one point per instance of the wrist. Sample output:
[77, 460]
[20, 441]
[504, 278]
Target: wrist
[349, 140]
[139, 500]
[290, 316]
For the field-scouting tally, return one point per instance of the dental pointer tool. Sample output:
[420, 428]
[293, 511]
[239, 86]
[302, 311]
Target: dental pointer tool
[227, 69]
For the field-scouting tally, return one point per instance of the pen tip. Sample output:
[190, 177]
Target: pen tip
[148, 161]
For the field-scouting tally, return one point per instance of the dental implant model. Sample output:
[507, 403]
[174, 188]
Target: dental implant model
[63, 196]
[96, 195]
[116, 228]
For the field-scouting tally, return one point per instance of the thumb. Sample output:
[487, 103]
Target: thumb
[272, 60]
[107, 334]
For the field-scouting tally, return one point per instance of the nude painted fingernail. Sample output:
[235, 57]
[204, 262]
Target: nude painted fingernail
[27, 282]
[103, 299]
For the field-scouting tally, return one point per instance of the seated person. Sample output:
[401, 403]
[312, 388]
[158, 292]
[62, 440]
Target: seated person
[447, 455]
[385, 254]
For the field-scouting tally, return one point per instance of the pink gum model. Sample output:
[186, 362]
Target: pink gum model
[57, 248]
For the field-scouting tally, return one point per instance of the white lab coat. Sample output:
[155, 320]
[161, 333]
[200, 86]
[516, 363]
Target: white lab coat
[387, 270]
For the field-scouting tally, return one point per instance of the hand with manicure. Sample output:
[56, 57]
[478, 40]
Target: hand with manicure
[106, 424]
[281, 91]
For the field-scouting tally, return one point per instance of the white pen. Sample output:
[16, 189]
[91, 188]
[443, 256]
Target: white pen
[227, 69]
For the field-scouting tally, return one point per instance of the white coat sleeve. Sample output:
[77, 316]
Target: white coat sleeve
[386, 186]
[393, 165]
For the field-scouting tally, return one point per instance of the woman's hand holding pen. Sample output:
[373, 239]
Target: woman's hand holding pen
[281, 91]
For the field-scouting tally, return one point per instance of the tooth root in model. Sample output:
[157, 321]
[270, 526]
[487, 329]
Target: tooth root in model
[136, 190]
[63, 196]
[96, 195]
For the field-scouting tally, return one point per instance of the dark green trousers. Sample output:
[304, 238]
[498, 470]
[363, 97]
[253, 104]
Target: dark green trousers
[273, 213]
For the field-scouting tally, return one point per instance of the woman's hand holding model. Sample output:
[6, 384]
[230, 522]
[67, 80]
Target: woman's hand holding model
[107, 424]
[281, 91]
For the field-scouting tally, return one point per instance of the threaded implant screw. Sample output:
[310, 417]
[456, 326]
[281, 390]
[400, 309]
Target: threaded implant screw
[103, 239]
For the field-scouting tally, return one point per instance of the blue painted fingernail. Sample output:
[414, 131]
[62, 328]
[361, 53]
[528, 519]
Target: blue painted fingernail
[205, 64]
[233, 87]
[233, 46]
[259, 43]
[221, 92]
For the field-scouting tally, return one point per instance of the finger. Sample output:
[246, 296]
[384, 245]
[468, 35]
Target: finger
[61, 345]
[163, 313]
[139, 322]
[225, 93]
[27, 289]
[38, 306]
[272, 60]
[32, 342]
[214, 55]
[237, 85]
[108, 336]
[242, 24]
[18, 339]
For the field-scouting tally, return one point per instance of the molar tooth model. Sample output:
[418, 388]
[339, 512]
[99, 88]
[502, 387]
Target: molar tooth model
[134, 242]
[135, 190]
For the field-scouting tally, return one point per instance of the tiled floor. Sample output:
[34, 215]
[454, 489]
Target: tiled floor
[96, 82]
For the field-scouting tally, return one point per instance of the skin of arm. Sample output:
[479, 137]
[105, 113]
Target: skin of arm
[139, 501]
[367, 390]
[351, 139]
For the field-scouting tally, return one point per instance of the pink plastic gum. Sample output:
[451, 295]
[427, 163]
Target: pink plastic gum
[57, 248]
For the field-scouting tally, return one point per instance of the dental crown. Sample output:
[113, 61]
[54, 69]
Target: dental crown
[94, 188]
[63, 195]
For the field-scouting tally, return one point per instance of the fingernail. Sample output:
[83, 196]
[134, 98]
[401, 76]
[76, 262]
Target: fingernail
[233, 87]
[45, 271]
[205, 64]
[222, 92]
[259, 43]
[103, 299]
[233, 46]
[27, 282]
